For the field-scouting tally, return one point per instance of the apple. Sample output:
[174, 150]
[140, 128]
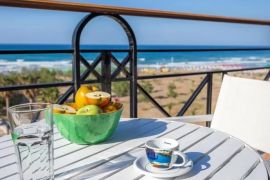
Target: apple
[98, 98]
[89, 110]
[80, 96]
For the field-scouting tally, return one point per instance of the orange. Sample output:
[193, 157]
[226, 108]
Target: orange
[98, 98]
[80, 98]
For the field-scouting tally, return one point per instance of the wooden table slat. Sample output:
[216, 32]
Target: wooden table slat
[258, 173]
[239, 166]
[133, 126]
[148, 132]
[87, 151]
[7, 148]
[214, 160]
[116, 165]
[60, 142]
[8, 170]
[6, 144]
[216, 155]
[10, 160]
[194, 138]
[4, 139]
[216, 138]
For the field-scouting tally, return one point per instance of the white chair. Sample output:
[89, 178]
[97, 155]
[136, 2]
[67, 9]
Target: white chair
[242, 110]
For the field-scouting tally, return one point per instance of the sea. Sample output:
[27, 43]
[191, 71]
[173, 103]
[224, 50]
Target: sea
[203, 60]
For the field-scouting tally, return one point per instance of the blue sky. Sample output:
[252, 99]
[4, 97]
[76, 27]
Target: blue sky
[54, 27]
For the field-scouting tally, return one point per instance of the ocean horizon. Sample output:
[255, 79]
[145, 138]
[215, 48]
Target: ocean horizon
[182, 60]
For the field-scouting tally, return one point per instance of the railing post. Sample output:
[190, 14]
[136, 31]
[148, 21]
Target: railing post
[209, 96]
[76, 70]
[133, 86]
[76, 74]
[106, 71]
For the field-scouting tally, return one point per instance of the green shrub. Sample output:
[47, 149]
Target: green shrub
[48, 95]
[121, 88]
[148, 87]
[141, 97]
[171, 90]
[170, 106]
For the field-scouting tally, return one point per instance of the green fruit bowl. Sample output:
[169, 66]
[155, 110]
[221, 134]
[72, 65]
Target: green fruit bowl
[87, 129]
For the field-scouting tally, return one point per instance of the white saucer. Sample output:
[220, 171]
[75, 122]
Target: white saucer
[143, 166]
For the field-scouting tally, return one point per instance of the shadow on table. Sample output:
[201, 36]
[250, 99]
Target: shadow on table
[101, 168]
[128, 130]
[200, 163]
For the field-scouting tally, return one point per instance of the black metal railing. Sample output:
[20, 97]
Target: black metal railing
[105, 59]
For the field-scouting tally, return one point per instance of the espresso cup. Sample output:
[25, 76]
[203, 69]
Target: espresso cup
[163, 153]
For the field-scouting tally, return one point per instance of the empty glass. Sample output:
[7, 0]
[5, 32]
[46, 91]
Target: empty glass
[32, 134]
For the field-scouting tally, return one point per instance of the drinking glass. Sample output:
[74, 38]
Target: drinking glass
[32, 134]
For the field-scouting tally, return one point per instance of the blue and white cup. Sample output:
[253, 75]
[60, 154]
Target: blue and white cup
[163, 153]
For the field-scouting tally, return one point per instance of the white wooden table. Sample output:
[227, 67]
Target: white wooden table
[215, 155]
